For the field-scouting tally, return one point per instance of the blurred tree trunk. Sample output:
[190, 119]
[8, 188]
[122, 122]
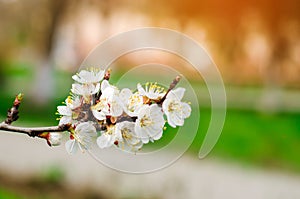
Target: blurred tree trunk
[44, 85]
[272, 96]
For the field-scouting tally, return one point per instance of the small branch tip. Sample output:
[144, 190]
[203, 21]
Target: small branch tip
[107, 74]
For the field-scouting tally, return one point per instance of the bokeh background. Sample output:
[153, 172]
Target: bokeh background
[256, 46]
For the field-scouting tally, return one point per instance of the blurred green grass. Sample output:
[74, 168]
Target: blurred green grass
[6, 194]
[261, 139]
[251, 138]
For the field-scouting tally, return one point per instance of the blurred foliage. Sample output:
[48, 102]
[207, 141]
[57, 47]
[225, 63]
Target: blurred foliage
[53, 175]
[267, 140]
[48, 184]
[5, 194]
[252, 138]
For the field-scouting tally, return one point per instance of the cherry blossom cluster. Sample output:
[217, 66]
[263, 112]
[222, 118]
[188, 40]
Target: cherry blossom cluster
[99, 113]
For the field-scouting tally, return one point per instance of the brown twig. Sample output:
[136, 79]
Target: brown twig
[13, 115]
[35, 131]
[107, 74]
[13, 112]
[172, 86]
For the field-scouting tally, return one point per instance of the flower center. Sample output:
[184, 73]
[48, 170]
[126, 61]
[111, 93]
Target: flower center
[146, 121]
[174, 106]
[154, 88]
[110, 130]
[69, 100]
[126, 134]
[134, 100]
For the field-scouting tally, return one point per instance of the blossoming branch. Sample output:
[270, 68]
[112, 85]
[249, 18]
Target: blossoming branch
[97, 112]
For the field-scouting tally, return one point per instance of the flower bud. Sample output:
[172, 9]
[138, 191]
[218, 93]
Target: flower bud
[54, 139]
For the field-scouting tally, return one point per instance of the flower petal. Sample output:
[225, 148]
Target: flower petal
[166, 104]
[99, 115]
[186, 110]
[116, 108]
[158, 135]
[141, 90]
[76, 103]
[100, 75]
[71, 146]
[144, 137]
[77, 89]
[104, 141]
[65, 120]
[177, 119]
[105, 84]
[84, 134]
[125, 95]
[86, 77]
[64, 110]
[85, 127]
[176, 94]
[77, 79]
[170, 121]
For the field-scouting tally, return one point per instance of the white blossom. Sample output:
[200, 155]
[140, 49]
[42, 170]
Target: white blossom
[175, 110]
[135, 118]
[109, 137]
[109, 103]
[150, 122]
[151, 90]
[82, 138]
[130, 140]
[100, 110]
[73, 103]
[85, 89]
[89, 77]
[132, 102]
[67, 111]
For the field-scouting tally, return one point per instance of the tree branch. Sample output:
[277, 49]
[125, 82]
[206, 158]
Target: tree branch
[13, 112]
[172, 86]
[41, 132]
[36, 131]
